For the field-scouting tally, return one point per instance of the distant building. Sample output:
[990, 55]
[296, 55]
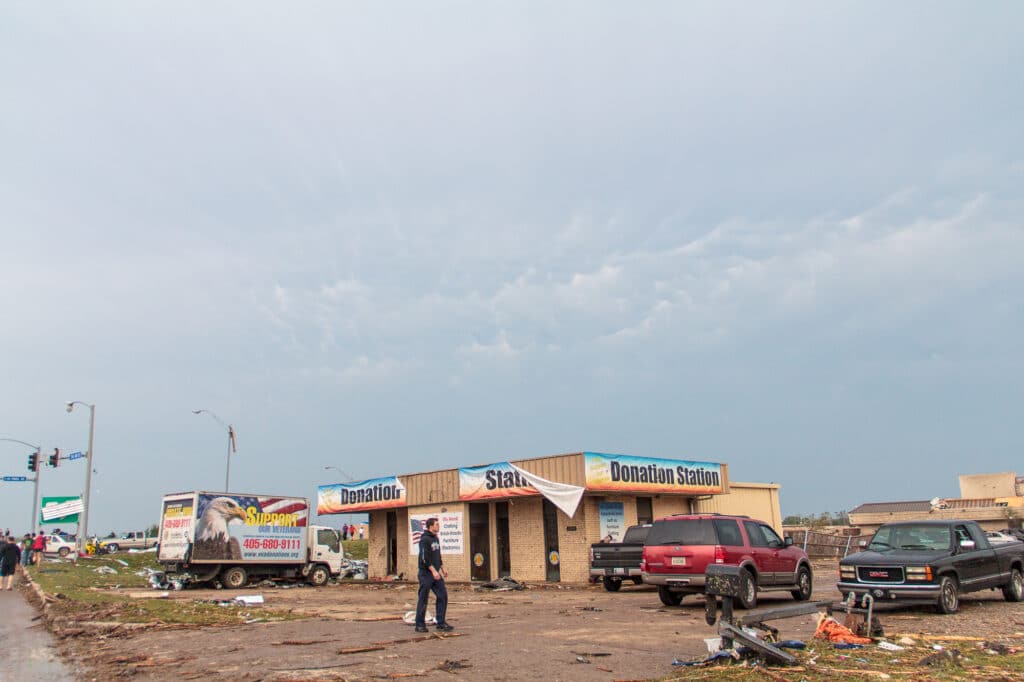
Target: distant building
[993, 500]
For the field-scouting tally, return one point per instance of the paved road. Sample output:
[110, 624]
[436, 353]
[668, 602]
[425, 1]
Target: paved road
[29, 653]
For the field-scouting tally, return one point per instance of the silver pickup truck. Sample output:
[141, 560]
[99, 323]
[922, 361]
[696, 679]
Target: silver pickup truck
[133, 540]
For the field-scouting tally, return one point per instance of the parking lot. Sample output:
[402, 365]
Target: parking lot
[354, 631]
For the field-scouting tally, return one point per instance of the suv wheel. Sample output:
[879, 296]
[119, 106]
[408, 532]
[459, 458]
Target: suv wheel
[112, 548]
[804, 584]
[63, 552]
[748, 590]
[949, 595]
[668, 597]
[612, 584]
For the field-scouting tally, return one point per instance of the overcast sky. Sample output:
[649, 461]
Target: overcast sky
[393, 237]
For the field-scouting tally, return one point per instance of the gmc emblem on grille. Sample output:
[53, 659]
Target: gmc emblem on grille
[878, 574]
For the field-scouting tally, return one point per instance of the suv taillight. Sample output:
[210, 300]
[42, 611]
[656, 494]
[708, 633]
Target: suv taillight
[719, 554]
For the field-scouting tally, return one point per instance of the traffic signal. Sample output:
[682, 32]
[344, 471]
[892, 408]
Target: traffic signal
[33, 461]
[55, 457]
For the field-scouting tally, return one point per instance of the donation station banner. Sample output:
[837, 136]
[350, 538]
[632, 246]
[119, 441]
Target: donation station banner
[377, 493]
[625, 473]
[493, 481]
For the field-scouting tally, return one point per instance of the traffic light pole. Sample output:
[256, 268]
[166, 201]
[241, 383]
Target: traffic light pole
[35, 502]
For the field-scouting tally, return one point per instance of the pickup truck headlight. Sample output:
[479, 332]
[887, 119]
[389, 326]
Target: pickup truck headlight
[919, 573]
[847, 573]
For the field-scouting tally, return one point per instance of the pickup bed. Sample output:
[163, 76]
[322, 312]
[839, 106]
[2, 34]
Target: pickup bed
[932, 562]
[613, 561]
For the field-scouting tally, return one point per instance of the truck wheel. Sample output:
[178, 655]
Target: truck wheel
[949, 595]
[611, 584]
[234, 578]
[318, 576]
[804, 584]
[64, 551]
[748, 590]
[668, 597]
[112, 548]
[1014, 589]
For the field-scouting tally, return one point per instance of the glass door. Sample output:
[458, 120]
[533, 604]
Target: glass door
[479, 542]
[552, 558]
[504, 557]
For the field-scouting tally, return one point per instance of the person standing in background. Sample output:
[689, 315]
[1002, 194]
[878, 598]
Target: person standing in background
[10, 561]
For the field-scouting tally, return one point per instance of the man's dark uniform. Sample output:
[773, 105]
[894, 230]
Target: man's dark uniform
[430, 555]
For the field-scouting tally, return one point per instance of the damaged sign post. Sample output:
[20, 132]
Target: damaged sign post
[727, 582]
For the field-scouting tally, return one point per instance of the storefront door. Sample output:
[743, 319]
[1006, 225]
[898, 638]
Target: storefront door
[552, 558]
[391, 542]
[479, 542]
[504, 552]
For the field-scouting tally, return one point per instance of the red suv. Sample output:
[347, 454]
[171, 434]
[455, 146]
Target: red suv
[679, 548]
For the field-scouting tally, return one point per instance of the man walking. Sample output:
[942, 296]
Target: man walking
[431, 575]
[10, 559]
[38, 547]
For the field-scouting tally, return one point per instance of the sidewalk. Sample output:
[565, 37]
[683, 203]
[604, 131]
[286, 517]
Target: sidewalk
[29, 652]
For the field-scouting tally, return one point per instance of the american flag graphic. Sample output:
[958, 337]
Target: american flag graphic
[270, 505]
[417, 530]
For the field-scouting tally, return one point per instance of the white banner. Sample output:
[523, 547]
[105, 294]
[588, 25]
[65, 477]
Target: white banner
[57, 511]
[563, 495]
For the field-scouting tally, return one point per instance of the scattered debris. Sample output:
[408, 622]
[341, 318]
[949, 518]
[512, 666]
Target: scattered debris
[249, 599]
[505, 584]
[450, 666]
[834, 631]
[105, 569]
[889, 646]
[942, 657]
[582, 659]
[591, 654]
[410, 618]
[995, 648]
[589, 608]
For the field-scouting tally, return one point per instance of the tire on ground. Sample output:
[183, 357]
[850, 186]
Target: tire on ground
[668, 597]
[949, 595]
[611, 584]
[234, 578]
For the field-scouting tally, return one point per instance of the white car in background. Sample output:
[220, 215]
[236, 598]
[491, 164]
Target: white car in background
[55, 544]
[997, 538]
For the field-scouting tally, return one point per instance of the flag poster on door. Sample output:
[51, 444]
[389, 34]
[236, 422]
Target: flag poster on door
[450, 533]
[613, 521]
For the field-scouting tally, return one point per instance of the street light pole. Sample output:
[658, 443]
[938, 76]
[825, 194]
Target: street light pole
[84, 526]
[231, 445]
[34, 524]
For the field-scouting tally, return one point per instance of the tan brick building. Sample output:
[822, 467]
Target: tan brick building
[489, 531]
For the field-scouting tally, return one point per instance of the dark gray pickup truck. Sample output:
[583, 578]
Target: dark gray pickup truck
[614, 561]
[932, 562]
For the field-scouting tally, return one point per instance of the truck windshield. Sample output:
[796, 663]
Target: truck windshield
[910, 537]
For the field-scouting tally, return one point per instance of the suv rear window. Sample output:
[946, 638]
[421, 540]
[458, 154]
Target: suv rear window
[682, 532]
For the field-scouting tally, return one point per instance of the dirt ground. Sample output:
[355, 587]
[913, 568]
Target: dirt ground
[537, 634]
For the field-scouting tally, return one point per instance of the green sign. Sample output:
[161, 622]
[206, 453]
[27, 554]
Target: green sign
[60, 510]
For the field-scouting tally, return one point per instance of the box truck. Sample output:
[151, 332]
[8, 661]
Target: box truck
[233, 538]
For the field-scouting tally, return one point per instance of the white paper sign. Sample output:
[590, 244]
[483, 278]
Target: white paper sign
[450, 533]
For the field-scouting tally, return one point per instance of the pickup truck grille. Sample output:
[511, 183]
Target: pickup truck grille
[880, 574]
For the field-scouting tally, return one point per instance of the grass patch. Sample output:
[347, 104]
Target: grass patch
[356, 549]
[85, 594]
